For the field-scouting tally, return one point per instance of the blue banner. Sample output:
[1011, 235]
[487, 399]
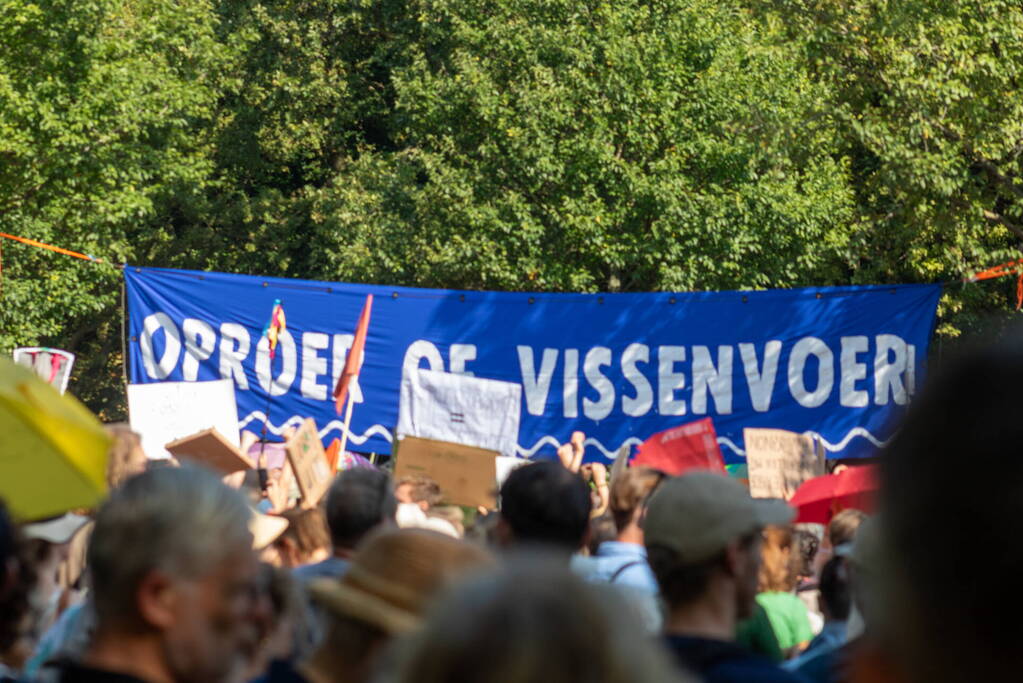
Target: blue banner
[841, 362]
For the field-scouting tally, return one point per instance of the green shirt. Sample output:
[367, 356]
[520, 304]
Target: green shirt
[788, 618]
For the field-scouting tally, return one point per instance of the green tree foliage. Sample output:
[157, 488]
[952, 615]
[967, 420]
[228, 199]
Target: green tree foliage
[504, 144]
[927, 96]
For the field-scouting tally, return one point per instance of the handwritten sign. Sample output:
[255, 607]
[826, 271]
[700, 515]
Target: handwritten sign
[309, 463]
[466, 475]
[779, 461]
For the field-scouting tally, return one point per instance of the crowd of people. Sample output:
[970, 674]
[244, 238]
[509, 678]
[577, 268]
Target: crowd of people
[581, 574]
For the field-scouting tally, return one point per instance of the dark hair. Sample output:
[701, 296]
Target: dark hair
[546, 503]
[808, 544]
[941, 506]
[681, 583]
[834, 587]
[15, 588]
[359, 500]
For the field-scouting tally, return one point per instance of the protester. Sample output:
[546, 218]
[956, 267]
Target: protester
[48, 543]
[544, 504]
[847, 655]
[602, 530]
[951, 508]
[419, 490]
[703, 535]
[280, 618]
[306, 540]
[836, 602]
[780, 559]
[359, 501]
[531, 622]
[841, 531]
[17, 578]
[173, 573]
[383, 593]
[623, 561]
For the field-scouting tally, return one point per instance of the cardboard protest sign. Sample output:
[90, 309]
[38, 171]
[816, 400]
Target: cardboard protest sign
[211, 449]
[679, 449]
[309, 463]
[53, 365]
[466, 475]
[166, 411]
[779, 461]
[460, 409]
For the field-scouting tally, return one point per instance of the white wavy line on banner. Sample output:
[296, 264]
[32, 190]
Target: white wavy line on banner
[295, 420]
[380, 430]
[725, 441]
[855, 431]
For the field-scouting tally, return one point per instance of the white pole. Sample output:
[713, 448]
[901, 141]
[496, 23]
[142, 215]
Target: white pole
[344, 436]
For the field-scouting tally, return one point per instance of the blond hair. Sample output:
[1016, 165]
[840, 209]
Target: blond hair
[126, 457]
[778, 569]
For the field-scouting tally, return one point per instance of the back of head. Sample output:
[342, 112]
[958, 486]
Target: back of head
[843, 526]
[778, 569]
[181, 521]
[531, 623]
[359, 500]
[836, 596]
[17, 578]
[544, 503]
[307, 528]
[629, 491]
[942, 510]
[126, 455]
[421, 489]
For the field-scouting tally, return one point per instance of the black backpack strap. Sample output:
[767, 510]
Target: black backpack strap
[620, 570]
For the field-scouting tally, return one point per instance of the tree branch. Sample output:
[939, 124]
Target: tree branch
[1002, 220]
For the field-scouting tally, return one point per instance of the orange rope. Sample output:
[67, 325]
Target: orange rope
[1001, 270]
[59, 250]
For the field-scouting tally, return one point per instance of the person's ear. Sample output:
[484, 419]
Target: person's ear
[503, 533]
[157, 600]
[735, 559]
[423, 505]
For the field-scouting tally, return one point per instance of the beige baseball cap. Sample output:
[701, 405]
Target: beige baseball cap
[698, 514]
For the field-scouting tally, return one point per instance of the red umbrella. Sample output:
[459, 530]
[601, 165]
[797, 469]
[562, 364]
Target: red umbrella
[817, 499]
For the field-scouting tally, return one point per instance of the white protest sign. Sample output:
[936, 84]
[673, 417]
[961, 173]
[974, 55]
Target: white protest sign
[162, 412]
[779, 461]
[506, 465]
[460, 409]
[53, 365]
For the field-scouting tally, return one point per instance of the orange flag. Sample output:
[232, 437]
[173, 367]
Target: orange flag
[353, 363]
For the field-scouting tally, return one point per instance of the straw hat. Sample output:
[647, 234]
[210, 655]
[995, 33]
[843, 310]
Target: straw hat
[265, 529]
[394, 575]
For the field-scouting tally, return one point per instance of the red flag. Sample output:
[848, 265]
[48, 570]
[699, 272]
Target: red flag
[679, 449]
[353, 363]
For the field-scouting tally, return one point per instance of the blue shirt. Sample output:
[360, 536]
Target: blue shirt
[330, 568]
[625, 565]
[719, 661]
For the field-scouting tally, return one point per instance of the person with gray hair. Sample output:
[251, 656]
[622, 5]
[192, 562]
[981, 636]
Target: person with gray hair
[173, 578]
